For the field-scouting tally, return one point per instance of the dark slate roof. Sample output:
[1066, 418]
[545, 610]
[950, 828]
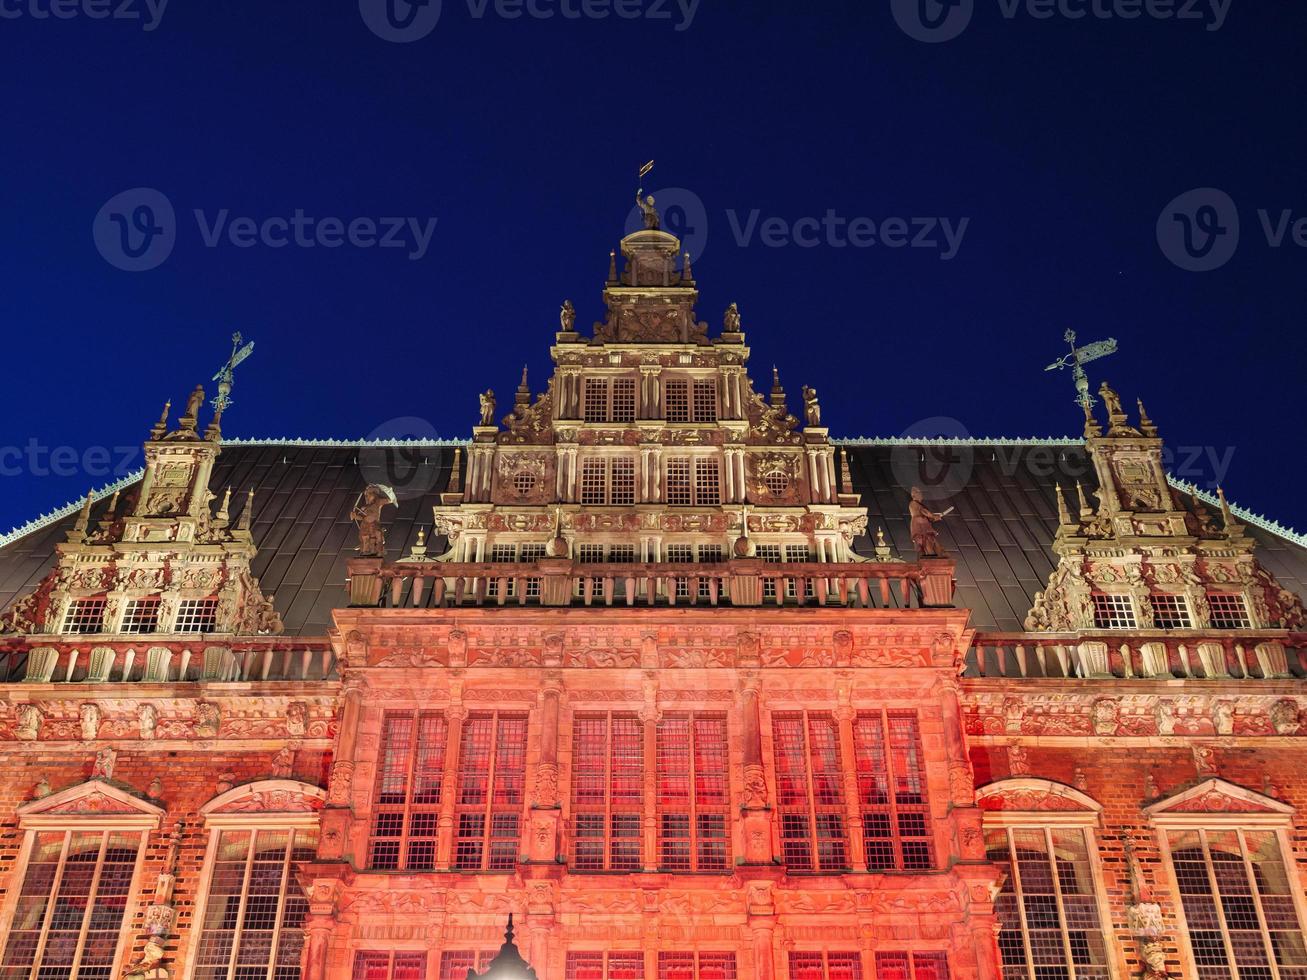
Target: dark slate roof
[1004, 519]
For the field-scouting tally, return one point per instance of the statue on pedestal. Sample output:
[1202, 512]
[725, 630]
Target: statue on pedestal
[648, 211]
[367, 515]
[488, 407]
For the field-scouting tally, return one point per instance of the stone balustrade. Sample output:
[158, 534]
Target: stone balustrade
[738, 582]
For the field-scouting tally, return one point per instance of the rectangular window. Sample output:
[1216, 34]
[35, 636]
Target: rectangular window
[1171, 612]
[491, 779]
[608, 481]
[676, 401]
[454, 963]
[596, 400]
[769, 554]
[382, 965]
[623, 400]
[1236, 892]
[825, 966]
[141, 615]
[798, 553]
[693, 802]
[707, 482]
[896, 828]
[197, 616]
[1229, 612]
[594, 481]
[810, 801]
[254, 910]
[622, 482]
[921, 966]
[85, 616]
[705, 401]
[69, 914]
[696, 966]
[1048, 908]
[709, 553]
[406, 801]
[627, 965]
[607, 790]
[1113, 612]
[679, 491]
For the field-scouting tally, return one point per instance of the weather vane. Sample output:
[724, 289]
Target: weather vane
[224, 376]
[1078, 358]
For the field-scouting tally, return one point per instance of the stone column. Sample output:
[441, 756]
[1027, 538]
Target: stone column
[454, 716]
[317, 929]
[848, 762]
[543, 846]
[755, 809]
[649, 715]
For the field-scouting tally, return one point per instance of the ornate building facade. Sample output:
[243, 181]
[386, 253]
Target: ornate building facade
[654, 665]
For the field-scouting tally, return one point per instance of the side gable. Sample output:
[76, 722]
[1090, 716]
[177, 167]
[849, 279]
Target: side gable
[1216, 796]
[100, 803]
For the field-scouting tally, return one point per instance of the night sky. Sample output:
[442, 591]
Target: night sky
[1051, 146]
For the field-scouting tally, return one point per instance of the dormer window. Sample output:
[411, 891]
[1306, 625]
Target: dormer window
[197, 616]
[85, 616]
[141, 615]
[1229, 611]
[1113, 612]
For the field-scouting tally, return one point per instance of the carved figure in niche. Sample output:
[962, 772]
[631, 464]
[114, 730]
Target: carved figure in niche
[89, 716]
[1223, 718]
[567, 316]
[1285, 716]
[207, 719]
[924, 535]
[1105, 716]
[367, 515]
[647, 211]
[147, 717]
[29, 722]
[811, 409]
[488, 407]
[297, 714]
[731, 321]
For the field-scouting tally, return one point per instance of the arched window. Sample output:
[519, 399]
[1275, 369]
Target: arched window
[1040, 834]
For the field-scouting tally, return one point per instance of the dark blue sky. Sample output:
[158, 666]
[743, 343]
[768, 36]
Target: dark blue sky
[1060, 141]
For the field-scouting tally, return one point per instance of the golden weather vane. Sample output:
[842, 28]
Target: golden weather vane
[1077, 359]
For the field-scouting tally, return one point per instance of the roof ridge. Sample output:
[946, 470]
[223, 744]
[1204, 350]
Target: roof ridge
[72, 507]
[1243, 513]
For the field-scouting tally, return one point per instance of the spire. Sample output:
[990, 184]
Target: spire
[1063, 512]
[223, 517]
[456, 473]
[1086, 512]
[160, 428]
[83, 520]
[243, 522]
[686, 273]
[612, 266]
[508, 932]
[1146, 425]
[1233, 529]
[846, 477]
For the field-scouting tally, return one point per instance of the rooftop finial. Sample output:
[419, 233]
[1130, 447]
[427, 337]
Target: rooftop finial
[1146, 425]
[160, 428]
[612, 266]
[1063, 512]
[247, 515]
[225, 376]
[687, 273]
[508, 932]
